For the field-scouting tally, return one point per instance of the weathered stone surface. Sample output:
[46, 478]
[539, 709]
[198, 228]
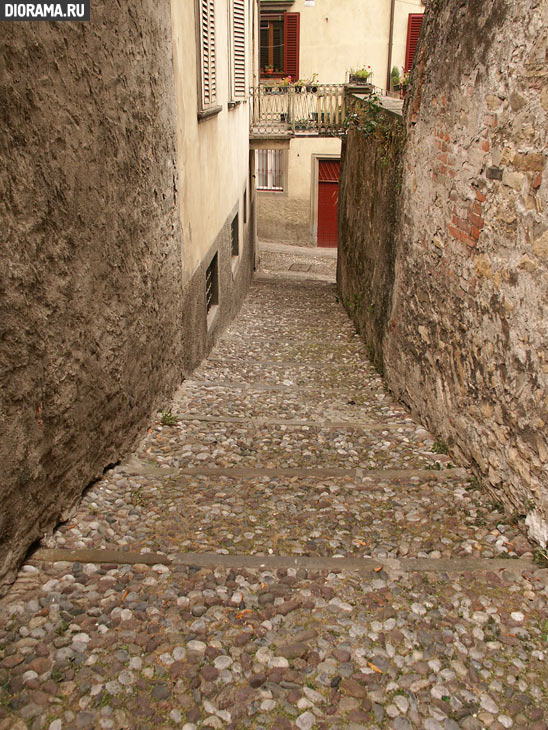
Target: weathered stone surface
[396, 642]
[463, 341]
[365, 266]
[91, 291]
[100, 321]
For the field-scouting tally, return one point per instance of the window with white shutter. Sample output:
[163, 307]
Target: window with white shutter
[207, 60]
[238, 49]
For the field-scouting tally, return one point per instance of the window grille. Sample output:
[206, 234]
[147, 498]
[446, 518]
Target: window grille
[235, 235]
[269, 170]
[212, 284]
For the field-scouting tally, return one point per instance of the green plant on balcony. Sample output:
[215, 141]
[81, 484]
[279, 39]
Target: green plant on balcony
[395, 78]
[360, 75]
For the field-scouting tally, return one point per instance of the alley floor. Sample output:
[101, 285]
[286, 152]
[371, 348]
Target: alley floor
[286, 548]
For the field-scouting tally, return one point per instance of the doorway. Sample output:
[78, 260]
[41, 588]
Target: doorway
[328, 201]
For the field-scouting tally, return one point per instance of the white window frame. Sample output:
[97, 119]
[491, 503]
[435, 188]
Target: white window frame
[272, 168]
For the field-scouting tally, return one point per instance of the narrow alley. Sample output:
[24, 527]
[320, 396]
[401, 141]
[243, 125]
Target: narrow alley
[287, 548]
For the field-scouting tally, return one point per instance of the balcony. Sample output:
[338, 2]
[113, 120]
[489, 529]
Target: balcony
[297, 111]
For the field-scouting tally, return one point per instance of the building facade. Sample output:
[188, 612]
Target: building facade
[321, 41]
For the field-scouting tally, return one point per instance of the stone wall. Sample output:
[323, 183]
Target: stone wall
[368, 203]
[466, 339]
[284, 219]
[97, 327]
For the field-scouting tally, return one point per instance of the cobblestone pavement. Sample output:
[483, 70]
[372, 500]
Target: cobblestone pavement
[292, 551]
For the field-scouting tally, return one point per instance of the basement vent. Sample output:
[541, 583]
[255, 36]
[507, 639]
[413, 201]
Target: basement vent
[235, 235]
[212, 284]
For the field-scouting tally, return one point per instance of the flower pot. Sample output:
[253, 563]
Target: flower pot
[359, 80]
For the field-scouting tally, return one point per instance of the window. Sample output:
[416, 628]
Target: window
[269, 170]
[235, 235]
[238, 49]
[212, 286]
[414, 25]
[208, 66]
[280, 45]
[245, 205]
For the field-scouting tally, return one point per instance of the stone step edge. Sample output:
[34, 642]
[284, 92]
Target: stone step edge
[275, 387]
[282, 339]
[144, 469]
[296, 423]
[294, 276]
[212, 359]
[214, 560]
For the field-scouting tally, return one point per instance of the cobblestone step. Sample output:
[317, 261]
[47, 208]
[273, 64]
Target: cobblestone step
[244, 569]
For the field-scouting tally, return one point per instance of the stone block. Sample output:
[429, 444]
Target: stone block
[514, 180]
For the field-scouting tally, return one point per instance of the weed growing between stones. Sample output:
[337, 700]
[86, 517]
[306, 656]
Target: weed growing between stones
[168, 419]
[440, 447]
[540, 557]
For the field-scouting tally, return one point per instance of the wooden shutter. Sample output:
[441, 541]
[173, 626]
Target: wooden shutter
[414, 24]
[209, 70]
[291, 45]
[238, 47]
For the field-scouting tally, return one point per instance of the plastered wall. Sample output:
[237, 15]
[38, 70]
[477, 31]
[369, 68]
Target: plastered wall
[90, 279]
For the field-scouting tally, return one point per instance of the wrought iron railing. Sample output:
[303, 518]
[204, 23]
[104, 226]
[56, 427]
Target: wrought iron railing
[317, 109]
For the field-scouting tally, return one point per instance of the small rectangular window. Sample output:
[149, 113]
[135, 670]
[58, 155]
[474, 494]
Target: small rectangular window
[279, 45]
[235, 235]
[245, 206]
[212, 284]
[269, 169]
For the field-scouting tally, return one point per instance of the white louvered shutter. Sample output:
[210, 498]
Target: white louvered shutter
[207, 26]
[238, 46]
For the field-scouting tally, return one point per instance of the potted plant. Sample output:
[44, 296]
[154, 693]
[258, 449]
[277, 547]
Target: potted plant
[300, 85]
[360, 76]
[312, 84]
[269, 70]
[284, 84]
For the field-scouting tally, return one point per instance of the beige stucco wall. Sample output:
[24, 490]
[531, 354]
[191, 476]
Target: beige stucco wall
[213, 154]
[291, 216]
[301, 162]
[336, 37]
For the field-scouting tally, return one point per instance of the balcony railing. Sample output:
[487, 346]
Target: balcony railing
[287, 111]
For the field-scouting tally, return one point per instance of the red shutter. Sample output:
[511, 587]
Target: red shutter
[291, 45]
[413, 31]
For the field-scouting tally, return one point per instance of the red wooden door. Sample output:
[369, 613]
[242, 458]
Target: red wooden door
[328, 201]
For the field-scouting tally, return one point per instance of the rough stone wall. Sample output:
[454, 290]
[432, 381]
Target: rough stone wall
[368, 203]
[90, 279]
[285, 219]
[465, 340]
